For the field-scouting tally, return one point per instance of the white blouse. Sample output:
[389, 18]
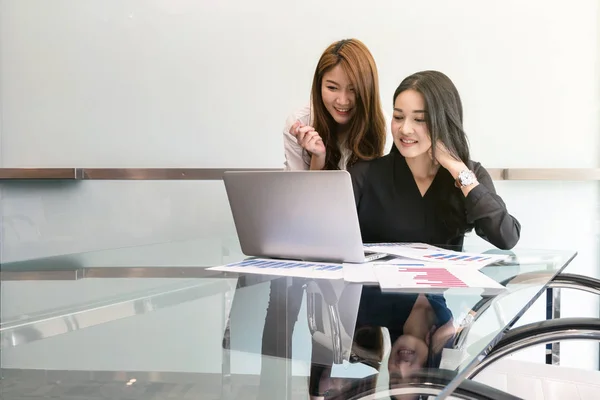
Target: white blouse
[296, 159]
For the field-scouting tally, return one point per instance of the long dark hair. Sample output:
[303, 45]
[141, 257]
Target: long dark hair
[444, 119]
[366, 137]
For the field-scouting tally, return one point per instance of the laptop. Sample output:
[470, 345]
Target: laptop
[297, 215]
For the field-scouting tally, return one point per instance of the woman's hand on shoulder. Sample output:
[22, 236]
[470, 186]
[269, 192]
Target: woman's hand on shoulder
[309, 139]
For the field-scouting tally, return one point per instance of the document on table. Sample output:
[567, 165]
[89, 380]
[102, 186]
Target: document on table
[432, 277]
[429, 253]
[415, 276]
[365, 273]
[301, 269]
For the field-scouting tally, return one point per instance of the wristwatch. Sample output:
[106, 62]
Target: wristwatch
[465, 178]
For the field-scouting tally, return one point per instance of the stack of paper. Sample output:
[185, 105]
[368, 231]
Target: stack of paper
[411, 276]
[428, 253]
[432, 278]
[416, 267]
[424, 268]
[299, 269]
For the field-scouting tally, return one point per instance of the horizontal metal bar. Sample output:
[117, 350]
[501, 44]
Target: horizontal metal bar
[203, 174]
[497, 174]
[553, 174]
[153, 272]
[33, 271]
[53, 323]
[59, 275]
[39, 173]
[202, 381]
[149, 174]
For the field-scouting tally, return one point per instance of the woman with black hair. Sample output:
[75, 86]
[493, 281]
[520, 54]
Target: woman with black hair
[426, 190]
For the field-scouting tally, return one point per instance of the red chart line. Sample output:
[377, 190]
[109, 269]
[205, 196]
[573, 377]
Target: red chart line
[434, 277]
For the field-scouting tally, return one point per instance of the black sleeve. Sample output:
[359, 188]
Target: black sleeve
[358, 172]
[486, 210]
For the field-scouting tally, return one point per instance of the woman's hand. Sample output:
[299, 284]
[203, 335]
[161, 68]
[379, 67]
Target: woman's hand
[452, 163]
[309, 139]
[447, 160]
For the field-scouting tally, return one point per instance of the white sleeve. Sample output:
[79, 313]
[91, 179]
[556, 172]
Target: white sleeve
[294, 154]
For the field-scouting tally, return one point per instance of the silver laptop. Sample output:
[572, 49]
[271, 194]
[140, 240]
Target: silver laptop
[299, 215]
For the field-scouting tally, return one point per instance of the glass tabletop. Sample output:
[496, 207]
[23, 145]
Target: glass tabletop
[153, 322]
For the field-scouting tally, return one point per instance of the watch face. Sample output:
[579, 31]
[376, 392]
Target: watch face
[466, 178]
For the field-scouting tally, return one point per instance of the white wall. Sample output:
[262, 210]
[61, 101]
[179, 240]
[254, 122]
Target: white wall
[203, 84]
[188, 83]
[185, 83]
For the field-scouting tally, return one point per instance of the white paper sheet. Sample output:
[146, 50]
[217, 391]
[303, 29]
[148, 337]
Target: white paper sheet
[365, 273]
[359, 273]
[432, 277]
[403, 246]
[428, 253]
[299, 269]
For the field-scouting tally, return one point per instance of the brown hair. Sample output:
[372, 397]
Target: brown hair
[366, 137]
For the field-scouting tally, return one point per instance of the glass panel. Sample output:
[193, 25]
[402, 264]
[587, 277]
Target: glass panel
[40, 219]
[173, 322]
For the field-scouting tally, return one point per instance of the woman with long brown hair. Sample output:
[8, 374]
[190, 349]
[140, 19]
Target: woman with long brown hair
[345, 122]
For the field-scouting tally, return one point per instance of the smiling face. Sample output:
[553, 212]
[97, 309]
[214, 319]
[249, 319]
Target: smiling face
[409, 126]
[408, 355]
[338, 95]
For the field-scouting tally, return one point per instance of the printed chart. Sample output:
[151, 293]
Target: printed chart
[445, 256]
[430, 277]
[408, 245]
[300, 269]
[425, 278]
[425, 252]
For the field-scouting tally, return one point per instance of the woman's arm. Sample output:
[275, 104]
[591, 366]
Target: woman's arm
[486, 210]
[295, 156]
[294, 159]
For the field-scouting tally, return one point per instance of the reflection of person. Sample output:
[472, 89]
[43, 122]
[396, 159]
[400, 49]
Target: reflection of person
[424, 333]
[419, 326]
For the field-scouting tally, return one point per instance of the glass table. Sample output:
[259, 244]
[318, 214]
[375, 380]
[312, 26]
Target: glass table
[152, 322]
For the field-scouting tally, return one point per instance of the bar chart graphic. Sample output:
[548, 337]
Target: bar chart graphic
[406, 245]
[433, 254]
[263, 266]
[431, 277]
[261, 263]
[456, 257]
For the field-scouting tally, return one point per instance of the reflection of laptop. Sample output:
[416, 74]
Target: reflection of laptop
[303, 215]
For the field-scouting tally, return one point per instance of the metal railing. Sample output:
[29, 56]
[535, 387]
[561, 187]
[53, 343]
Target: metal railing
[498, 174]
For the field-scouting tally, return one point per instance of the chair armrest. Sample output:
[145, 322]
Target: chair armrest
[542, 332]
